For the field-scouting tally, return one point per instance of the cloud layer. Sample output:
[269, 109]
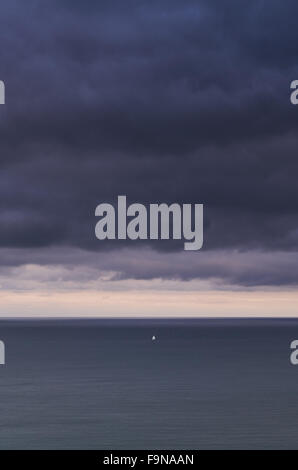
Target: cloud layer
[164, 101]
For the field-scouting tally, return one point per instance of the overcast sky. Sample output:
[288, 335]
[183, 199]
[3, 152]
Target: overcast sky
[164, 101]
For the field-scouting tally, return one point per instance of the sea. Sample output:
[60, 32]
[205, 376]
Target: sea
[108, 384]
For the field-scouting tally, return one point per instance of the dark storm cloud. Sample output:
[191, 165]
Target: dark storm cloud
[163, 101]
[220, 269]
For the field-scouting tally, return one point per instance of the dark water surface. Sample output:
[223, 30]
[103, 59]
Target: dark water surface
[104, 384]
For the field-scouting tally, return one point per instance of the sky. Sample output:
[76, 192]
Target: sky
[163, 101]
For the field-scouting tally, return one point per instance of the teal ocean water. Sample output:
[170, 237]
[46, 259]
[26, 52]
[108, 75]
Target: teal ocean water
[104, 384]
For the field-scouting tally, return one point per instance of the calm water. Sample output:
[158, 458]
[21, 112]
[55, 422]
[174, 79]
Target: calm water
[95, 384]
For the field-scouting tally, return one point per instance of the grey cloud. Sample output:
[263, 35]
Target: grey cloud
[162, 101]
[222, 269]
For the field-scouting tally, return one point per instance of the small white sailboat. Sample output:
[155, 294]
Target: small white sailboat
[153, 338]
